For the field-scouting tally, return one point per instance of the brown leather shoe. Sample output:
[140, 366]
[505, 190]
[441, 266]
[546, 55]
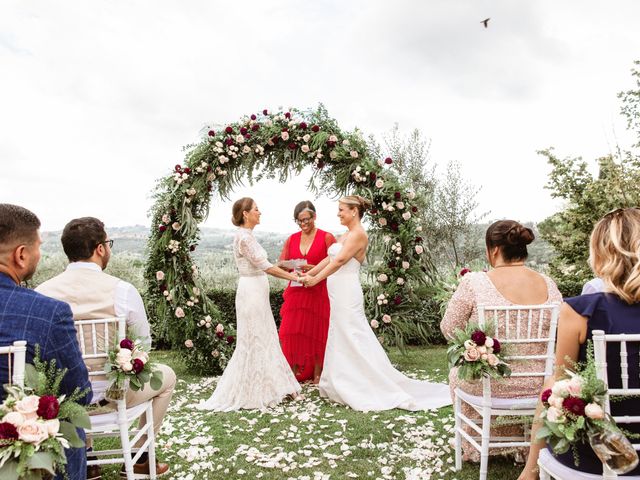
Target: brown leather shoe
[94, 472]
[141, 470]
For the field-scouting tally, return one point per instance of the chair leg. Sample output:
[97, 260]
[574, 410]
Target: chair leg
[457, 405]
[486, 437]
[151, 436]
[125, 440]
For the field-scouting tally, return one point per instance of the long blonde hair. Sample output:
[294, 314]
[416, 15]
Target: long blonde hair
[614, 253]
[356, 201]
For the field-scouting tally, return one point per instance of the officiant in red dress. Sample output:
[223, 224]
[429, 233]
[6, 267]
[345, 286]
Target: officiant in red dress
[305, 311]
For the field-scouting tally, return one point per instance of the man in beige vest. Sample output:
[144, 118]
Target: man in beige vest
[93, 294]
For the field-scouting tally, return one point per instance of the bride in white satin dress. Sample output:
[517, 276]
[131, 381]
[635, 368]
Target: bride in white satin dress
[357, 371]
[258, 375]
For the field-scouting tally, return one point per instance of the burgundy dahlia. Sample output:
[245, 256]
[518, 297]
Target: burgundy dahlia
[138, 365]
[220, 334]
[394, 226]
[397, 300]
[545, 395]
[126, 343]
[478, 337]
[285, 129]
[162, 228]
[192, 248]
[178, 168]
[496, 346]
[388, 161]
[287, 115]
[243, 131]
[212, 133]
[372, 176]
[48, 407]
[253, 117]
[255, 127]
[229, 141]
[187, 170]
[373, 212]
[230, 339]
[320, 164]
[391, 264]
[228, 130]
[414, 209]
[265, 112]
[303, 125]
[292, 146]
[163, 287]
[464, 271]
[397, 195]
[247, 136]
[574, 405]
[275, 140]
[8, 431]
[315, 128]
[331, 143]
[418, 239]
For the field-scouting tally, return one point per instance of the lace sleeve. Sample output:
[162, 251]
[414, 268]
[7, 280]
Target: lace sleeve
[459, 309]
[252, 251]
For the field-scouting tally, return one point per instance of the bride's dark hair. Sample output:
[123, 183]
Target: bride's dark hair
[356, 201]
[245, 204]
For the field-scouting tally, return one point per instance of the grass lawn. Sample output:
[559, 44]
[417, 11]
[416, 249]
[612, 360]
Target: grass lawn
[312, 439]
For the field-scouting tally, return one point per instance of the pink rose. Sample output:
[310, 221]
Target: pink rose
[419, 249]
[188, 343]
[492, 359]
[488, 342]
[305, 148]
[554, 415]
[561, 388]
[379, 183]
[28, 407]
[159, 276]
[176, 226]
[382, 221]
[374, 324]
[471, 354]
[53, 427]
[285, 135]
[593, 410]
[33, 432]
[575, 386]
[179, 312]
[215, 354]
[353, 154]
[14, 418]
[140, 355]
[386, 318]
[555, 401]
[219, 328]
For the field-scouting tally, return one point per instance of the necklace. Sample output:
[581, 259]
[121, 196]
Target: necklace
[510, 265]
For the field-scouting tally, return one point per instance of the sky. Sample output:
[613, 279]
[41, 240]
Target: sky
[97, 99]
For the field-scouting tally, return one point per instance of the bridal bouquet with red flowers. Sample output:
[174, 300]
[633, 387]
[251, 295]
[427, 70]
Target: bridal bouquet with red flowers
[129, 366]
[574, 413]
[38, 424]
[476, 354]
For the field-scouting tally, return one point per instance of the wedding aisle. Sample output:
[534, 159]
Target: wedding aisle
[313, 439]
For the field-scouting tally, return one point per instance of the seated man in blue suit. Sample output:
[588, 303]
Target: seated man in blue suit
[28, 315]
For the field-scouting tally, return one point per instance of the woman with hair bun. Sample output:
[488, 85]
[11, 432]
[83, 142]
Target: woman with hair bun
[357, 371]
[257, 376]
[614, 256]
[508, 283]
[305, 311]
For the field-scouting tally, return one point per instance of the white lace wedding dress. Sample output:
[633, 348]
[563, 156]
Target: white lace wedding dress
[357, 371]
[258, 375]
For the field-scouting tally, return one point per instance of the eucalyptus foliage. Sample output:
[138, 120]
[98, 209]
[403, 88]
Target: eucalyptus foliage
[276, 145]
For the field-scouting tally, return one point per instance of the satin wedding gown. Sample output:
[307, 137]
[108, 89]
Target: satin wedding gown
[258, 375]
[357, 371]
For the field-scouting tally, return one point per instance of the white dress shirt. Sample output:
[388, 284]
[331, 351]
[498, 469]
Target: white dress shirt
[127, 302]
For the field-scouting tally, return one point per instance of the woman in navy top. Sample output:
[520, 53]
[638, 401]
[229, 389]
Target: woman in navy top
[615, 258]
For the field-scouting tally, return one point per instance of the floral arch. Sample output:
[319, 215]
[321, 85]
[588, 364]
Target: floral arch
[274, 145]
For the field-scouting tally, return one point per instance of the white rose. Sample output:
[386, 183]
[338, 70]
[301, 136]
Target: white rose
[406, 215]
[123, 356]
[374, 324]
[215, 354]
[411, 194]
[382, 278]
[219, 328]
[593, 410]
[560, 388]
[28, 407]
[333, 154]
[306, 138]
[379, 183]
[469, 344]
[140, 354]
[188, 343]
[246, 149]
[159, 276]
[285, 135]
[179, 312]
[400, 281]
[239, 139]
[353, 154]
[419, 249]
[405, 265]
[305, 148]
[488, 342]
[382, 221]
[333, 138]
[53, 426]
[386, 318]
[400, 205]
[33, 432]
[14, 418]
[575, 386]
[482, 349]
[554, 415]
[126, 367]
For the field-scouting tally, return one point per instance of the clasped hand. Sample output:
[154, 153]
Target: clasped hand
[307, 280]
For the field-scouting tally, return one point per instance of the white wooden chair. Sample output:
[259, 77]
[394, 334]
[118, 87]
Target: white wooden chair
[96, 338]
[513, 326]
[16, 361]
[552, 468]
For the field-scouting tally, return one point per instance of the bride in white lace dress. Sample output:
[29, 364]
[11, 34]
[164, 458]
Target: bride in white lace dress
[357, 371]
[258, 375]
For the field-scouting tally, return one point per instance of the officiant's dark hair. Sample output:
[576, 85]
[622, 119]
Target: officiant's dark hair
[17, 226]
[245, 204]
[511, 237]
[81, 236]
[301, 207]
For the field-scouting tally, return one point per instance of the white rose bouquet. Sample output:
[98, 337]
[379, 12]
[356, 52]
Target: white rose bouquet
[476, 354]
[37, 424]
[129, 366]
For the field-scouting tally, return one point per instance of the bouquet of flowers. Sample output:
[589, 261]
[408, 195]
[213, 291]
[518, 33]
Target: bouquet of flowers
[129, 366]
[573, 413]
[38, 424]
[476, 354]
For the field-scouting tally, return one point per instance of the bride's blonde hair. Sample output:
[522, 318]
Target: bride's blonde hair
[614, 253]
[356, 201]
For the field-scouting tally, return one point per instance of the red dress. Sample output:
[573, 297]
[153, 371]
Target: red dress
[305, 311]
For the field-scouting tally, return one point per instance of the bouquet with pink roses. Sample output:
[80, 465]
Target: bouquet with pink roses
[38, 424]
[129, 366]
[573, 413]
[476, 354]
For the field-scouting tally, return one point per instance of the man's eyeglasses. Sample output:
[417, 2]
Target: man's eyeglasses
[107, 242]
[304, 221]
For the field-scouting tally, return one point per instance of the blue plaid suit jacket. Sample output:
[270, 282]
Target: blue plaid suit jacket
[28, 315]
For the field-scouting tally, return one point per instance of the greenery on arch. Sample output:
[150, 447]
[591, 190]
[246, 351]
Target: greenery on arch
[276, 145]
